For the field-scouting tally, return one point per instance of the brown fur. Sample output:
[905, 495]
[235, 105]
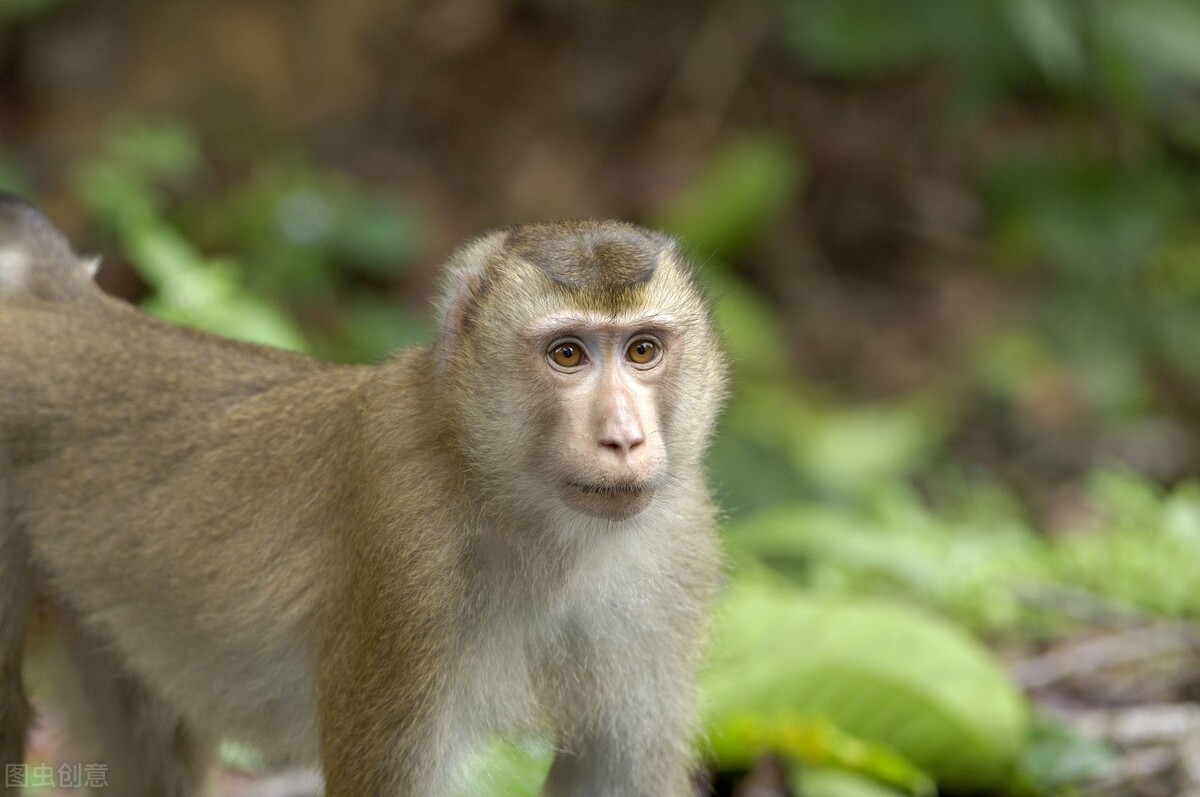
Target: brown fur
[358, 565]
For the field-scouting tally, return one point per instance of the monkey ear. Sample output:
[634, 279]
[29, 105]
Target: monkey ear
[464, 286]
[25, 230]
[36, 258]
[29, 244]
[460, 296]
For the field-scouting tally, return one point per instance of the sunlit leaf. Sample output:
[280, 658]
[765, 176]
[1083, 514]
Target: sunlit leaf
[884, 674]
[737, 742]
[810, 781]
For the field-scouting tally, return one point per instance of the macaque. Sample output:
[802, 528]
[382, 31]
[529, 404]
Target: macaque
[373, 568]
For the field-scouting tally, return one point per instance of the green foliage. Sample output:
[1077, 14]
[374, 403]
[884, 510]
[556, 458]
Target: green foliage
[883, 674]
[321, 244]
[743, 189]
[121, 189]
[510, 769]
[891, 545]
[805, 739]
[1148, 539]
[810, 781]
[1102, 198]
[297, 220]
[1138, 55]
[982, 564]
[1058, 757]
[294, 226]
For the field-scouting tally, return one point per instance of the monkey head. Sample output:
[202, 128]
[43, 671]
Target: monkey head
[577, 360]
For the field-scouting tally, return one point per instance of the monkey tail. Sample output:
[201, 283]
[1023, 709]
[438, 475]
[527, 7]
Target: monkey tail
[36, 259]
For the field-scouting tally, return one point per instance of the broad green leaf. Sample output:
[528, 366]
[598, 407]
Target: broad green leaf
[744, 739]
[883, 674]
[812, 781]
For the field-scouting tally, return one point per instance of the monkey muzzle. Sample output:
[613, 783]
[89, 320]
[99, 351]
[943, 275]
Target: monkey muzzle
[608, 502]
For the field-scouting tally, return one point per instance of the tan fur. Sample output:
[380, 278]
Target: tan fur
[372, 567]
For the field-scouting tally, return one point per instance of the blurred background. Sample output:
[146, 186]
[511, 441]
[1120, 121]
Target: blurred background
[956, 254]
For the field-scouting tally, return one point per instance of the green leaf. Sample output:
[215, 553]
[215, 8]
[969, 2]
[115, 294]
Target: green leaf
[865, 37]
[509, 769]
[1048, 33]
[745, 738]
[1057, 756]
[1160, 34]
[811, 781]
[744, 189]
[886, 675]
[972, 568]
[380, 237]
[154, 150]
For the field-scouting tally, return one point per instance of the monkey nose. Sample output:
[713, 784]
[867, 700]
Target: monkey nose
[622, 436]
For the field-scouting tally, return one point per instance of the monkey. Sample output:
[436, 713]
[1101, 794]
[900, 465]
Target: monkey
[373, 568]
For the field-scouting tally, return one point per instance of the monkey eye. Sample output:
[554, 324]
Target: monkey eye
[643, 351]
[567, 354]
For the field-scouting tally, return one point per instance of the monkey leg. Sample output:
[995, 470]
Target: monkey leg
[620, 762]
[147, 747]
[381, 739]
[16, 606]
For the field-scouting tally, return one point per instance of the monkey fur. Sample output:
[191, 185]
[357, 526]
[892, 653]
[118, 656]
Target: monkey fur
[373, 568]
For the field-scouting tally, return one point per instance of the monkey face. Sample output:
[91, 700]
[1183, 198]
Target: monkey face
[582, 366]
[605, 378]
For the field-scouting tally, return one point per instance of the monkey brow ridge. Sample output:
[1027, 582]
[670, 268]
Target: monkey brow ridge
[599, 322]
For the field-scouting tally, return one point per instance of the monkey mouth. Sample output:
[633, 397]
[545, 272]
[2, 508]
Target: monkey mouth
[612, 501]
[622, 488]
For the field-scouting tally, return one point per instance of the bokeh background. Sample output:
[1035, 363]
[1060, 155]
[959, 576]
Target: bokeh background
[956, 253]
